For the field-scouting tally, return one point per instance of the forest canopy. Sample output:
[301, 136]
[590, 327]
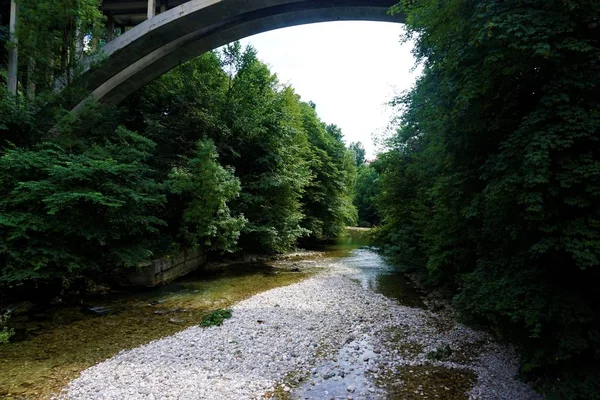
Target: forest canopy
[491, 185]
[215, 155]
[488, 189]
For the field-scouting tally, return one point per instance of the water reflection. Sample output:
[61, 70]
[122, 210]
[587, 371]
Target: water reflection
[352, 239]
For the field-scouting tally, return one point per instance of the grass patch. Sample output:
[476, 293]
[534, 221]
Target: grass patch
[216, 318]
[440, 354]
[5, 332]
[5, 335]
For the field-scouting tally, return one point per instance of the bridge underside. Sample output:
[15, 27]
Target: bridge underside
[179, 34]
[127, 13]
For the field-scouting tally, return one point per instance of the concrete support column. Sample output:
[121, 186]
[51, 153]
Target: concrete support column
[110, 28]
[151, 8]
[13, 54]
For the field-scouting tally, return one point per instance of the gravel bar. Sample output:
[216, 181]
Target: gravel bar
[326, 337]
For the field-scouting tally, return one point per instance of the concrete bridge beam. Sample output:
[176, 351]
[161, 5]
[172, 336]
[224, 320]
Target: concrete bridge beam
[168, 39]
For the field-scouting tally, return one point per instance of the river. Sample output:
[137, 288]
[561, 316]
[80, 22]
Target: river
[54, 343]
[340, 322]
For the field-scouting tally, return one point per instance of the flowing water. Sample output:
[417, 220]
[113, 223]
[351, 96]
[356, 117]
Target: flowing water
[372, 271]
[54, 343]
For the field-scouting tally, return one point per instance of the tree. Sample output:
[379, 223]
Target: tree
[51, 40]
[365, 197]
[266, 149]
[66, 213]
[490, 184]
[207, 222]
[359, 151]
[213, 155]
[327, 201]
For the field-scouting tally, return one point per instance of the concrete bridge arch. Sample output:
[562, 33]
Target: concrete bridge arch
[181, 33]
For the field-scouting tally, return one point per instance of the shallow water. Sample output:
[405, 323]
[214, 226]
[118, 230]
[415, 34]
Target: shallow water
[55, 343]
[372, 270]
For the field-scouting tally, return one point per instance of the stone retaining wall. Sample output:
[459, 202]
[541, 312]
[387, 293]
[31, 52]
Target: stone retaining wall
[164, 270]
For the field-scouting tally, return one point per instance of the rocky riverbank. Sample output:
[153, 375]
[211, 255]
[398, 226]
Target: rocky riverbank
[54, 343]
[327, 337]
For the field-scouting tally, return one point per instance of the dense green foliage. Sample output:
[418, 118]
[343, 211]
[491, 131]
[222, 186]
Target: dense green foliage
[266, 150]
[216, 155]
[64, 211]
[5, 332]
[491, 185]
[366, 187]
[366, 194]
[296, 176]
[52, 37]
[328, 198]
[206, 221]
[359, 153]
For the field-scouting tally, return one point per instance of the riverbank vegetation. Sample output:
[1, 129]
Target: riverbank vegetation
[5, 332]
[216, 154]
[491, 187]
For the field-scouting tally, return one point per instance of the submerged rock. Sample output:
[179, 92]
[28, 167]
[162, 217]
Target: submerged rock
[155, 302]
[19, 308]
[99, 310]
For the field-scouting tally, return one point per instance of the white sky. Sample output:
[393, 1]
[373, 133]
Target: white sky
[349, 69]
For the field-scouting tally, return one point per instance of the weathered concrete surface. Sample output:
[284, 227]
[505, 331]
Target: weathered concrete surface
[164, 270]
[184, 32]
